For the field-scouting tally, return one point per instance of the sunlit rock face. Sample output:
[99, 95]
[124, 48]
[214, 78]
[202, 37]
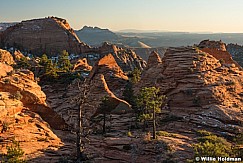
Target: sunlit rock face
[199, 88]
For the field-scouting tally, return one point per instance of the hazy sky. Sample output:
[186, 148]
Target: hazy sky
[171, 15]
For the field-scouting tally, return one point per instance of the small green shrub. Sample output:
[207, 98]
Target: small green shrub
[238, 139]
[164, 133]
[14, 154]
[213, 146]
[204, 133]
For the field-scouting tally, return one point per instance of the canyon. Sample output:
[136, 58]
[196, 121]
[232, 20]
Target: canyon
[202, 85]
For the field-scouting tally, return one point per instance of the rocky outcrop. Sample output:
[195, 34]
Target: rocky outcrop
[106, 74]
[6, 57]
[199, 89]
[219, 45]
[18, 55]
[82, 64]
[114, 76]
[20, 85]
[153, 60]
[218, 50]
[127, 59]
[47, 35]
[145, 52]
[5, 69]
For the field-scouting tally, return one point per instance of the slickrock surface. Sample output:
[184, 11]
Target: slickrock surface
[199, 89]
[6, 57]
[23, 116]
[105, 74]
[114, 76]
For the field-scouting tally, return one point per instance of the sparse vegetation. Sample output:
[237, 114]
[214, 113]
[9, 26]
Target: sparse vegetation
[135, 76]
[166, 134]
[149, 102]
[211, 145]
[104, 106]
[22, 63]
[64, 62]
[14, 154]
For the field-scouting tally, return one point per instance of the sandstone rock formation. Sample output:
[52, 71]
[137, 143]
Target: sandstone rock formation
[145, 52]
[18, 55]
[6, 57]
[23, 114]
[4, 69]
[52, 35]
[47, 35]
[127, 59]
[218, 50]
[199, 89]
[82, 64]
[219, 45]
[114, 75]
[153, 60]
[105, 74]
[30, 94]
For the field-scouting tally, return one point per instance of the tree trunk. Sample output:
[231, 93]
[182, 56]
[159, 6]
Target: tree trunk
[79, 141]
[154, 124]
[104, 118]
[79, 146]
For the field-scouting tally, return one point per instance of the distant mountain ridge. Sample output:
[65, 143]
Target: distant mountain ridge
[96, 35]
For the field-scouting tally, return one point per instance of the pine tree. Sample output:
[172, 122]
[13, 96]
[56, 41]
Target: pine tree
[64, 62]
[136, 75]
[149, 101]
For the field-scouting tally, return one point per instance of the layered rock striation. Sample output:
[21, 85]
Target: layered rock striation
[199, 88]
[106, 76]
[47, 35]
[218, 50]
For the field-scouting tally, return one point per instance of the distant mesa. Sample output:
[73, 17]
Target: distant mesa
[95, 36]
